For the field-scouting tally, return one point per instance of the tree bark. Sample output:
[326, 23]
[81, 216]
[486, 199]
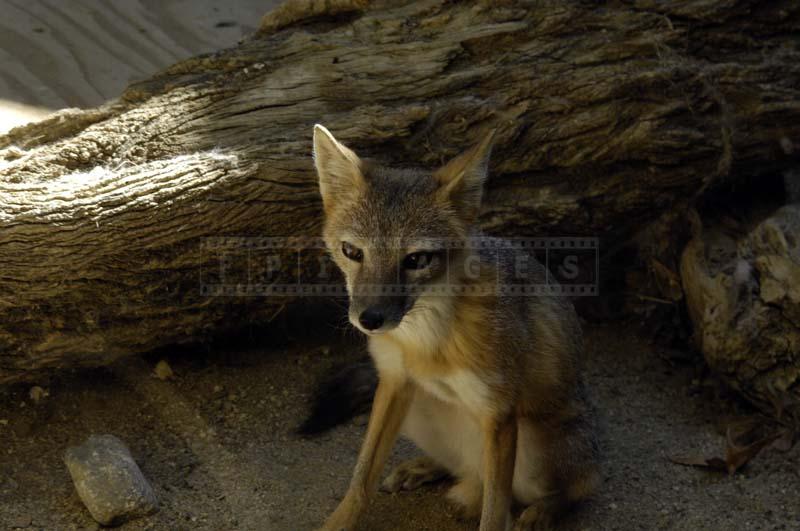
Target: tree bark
[743, 296]
[606, 117]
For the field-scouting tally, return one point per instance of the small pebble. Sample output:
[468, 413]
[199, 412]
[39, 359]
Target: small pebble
[163, 371]
[21, 522]
[37, 393]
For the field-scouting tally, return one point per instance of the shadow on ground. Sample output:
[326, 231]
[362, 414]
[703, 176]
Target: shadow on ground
[217, 444]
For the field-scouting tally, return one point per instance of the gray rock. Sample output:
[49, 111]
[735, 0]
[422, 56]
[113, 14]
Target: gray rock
[109, 481]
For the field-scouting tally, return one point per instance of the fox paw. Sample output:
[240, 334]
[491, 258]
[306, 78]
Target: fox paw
[467, 495]
[412, 474]
[536, 517]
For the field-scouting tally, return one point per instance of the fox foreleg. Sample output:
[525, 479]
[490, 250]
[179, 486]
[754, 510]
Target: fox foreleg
[389, 408]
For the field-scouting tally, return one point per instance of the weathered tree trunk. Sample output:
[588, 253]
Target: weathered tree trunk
[743, 296]
[606, 117]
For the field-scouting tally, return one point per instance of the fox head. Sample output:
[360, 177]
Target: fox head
[388, 229]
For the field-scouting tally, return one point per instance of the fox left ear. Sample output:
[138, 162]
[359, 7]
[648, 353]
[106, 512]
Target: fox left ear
[338, 168]
[461, 180]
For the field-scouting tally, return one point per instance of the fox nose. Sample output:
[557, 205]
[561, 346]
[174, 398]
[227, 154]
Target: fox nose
[371, 319]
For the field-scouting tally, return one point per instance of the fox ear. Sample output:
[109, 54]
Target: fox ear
[461, 180]
[338, 168]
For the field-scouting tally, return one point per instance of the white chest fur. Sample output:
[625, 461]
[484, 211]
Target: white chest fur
[462, 387]
[459, 386]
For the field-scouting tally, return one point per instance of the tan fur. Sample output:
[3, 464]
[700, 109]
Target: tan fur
[487, 386]
[389, 408]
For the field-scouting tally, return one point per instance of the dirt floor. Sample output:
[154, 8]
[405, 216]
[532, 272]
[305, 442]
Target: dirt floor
[217, 444]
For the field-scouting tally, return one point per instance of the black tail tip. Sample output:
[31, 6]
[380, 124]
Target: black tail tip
[343, 393]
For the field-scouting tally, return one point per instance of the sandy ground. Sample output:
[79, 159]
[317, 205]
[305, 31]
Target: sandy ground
[56, 54]
[217, 444]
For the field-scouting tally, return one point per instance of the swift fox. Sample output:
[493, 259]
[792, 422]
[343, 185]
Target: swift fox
[486, 385]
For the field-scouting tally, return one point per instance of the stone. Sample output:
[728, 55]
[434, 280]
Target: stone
[22, 521]
[37, 394]
[108, 480]
[163, 371]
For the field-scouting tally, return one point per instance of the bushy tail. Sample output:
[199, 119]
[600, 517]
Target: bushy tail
[342, 395]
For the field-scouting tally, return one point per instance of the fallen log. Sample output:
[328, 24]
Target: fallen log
[743, 296]
[606, 117]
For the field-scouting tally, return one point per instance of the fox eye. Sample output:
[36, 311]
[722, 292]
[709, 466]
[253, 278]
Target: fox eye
[352, 252]
[418, 260]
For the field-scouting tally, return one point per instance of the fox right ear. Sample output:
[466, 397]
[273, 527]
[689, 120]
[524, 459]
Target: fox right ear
[338, 168]
[461, 180]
